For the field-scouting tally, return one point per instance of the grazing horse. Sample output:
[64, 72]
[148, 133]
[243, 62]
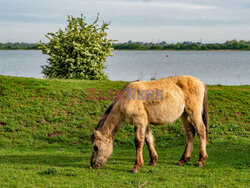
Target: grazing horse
[158, 102]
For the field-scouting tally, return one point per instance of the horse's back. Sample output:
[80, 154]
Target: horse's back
[170, 97]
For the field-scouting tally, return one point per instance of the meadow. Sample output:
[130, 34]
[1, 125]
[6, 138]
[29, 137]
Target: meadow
[45, 128]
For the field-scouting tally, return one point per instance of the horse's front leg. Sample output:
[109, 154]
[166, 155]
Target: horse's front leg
[140, 131]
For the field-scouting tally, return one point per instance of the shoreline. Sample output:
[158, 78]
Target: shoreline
[225, 50]
[179, 50]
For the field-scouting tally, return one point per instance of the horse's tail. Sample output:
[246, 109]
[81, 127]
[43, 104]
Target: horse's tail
[205, 111]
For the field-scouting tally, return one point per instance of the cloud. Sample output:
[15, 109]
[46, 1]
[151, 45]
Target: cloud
[128, 12]
[125, 13]
[166, 4]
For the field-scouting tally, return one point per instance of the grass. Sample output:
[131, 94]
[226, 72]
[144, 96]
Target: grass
[45, 127]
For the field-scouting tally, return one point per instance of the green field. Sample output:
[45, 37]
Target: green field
[45, 128]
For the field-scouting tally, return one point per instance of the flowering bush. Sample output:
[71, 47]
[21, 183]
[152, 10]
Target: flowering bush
[78, 52]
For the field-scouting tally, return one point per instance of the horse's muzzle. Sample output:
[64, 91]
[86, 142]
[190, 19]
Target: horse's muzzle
[96, 165]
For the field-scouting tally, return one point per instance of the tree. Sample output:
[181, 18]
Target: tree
[79, 51]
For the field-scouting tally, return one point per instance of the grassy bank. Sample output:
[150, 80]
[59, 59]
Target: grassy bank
[45, 127]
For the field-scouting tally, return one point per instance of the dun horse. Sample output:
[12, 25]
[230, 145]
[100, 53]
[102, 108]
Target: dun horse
[154, 102]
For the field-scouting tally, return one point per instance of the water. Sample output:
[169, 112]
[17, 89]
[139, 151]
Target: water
[24, 63]
[212, 67]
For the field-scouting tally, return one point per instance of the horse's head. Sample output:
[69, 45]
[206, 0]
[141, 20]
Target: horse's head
[102, 149]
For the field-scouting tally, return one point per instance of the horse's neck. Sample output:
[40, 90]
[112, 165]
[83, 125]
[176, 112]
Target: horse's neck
[111, 125]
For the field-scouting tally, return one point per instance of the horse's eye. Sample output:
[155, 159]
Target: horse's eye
[95, 148]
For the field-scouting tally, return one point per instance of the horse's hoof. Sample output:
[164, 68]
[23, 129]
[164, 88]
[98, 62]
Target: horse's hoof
[200, 164]
[152, 164]
[180, 163]
[134, 171]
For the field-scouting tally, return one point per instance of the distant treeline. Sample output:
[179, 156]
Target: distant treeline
[18, 45]
[130, 45]
[228, 45]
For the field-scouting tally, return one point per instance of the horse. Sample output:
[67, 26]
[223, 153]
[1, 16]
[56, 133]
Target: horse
[155, 102]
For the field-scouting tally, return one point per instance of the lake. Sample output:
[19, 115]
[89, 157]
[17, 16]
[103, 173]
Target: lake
[212, 67]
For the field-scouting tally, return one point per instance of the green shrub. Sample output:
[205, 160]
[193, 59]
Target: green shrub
[78, 52]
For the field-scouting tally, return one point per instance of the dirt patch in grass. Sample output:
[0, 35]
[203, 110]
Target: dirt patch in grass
[50, 135]
[2, 124]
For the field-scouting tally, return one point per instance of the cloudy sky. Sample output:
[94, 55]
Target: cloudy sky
[137, 20]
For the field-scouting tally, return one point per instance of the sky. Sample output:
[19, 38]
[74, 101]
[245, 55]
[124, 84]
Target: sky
[137, 20]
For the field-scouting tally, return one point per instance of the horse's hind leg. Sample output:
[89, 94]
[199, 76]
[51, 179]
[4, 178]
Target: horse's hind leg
[150, 143]
[190, 132]
[201, 131]
[197, 121]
